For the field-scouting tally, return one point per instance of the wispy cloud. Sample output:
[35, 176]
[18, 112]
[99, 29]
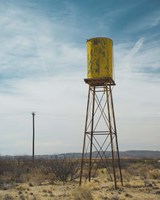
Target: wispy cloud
[155, 19]
[29, 46]
[141, 59]
[137, 78]
[128, 60]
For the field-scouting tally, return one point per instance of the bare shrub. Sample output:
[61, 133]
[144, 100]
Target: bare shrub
[65, 169]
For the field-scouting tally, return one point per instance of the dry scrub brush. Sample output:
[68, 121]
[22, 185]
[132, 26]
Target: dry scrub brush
[65, 169]
[22, 169]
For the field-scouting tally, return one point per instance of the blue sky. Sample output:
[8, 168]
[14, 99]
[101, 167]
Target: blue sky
[43, 64]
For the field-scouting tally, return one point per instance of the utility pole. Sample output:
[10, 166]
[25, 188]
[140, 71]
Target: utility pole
[33, 115]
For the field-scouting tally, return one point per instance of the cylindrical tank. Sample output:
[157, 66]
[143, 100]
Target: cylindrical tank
[99, 58]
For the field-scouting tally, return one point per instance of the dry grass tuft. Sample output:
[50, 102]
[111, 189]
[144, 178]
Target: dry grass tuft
[115, 197]
[155, 174]
[83, 193]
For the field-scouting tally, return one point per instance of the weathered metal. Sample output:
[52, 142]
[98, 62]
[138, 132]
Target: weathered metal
[99, 58]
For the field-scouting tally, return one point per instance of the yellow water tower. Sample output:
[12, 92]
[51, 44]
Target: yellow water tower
[99, 58]
[100, 144]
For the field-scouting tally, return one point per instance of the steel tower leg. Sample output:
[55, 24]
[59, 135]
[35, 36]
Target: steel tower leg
[116, 138]
[91, 139]
[111, 135]
[84, 140]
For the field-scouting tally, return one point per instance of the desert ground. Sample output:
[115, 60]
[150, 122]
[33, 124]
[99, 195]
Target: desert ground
[50, 179]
